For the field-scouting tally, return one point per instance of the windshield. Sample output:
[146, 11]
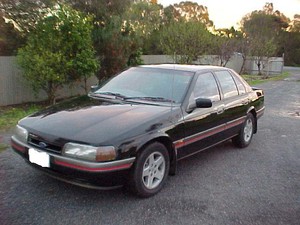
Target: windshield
[148, 84]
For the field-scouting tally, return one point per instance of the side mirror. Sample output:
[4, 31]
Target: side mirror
[203, 103]
[199, 103]
[94, 88]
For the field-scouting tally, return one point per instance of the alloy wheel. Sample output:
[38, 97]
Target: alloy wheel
[248, 130]
[154, 170]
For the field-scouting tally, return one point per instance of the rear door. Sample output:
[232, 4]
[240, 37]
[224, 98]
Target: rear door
[235, 101]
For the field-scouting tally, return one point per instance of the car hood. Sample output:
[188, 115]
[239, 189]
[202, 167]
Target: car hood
[95, 122]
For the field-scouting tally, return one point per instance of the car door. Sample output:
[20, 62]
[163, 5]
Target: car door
[203, 125]
[235, 101]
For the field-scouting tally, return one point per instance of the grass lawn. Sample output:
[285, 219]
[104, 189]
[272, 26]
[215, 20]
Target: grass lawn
[10, 115]
[256, 79]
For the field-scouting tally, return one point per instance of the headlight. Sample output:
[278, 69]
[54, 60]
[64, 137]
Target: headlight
[91, 153]
[21, 134]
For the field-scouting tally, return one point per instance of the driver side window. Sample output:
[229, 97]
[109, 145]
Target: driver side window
[206, 87]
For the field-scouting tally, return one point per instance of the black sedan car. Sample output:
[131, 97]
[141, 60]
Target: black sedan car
[133, 129]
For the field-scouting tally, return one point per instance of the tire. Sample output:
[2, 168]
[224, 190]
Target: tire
[150, 171]
[246, 133]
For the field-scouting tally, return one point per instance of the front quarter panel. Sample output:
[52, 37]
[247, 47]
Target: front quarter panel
[169, 128]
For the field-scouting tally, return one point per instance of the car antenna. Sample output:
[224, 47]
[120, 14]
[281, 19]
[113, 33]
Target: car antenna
[172, 95]
[173, 78]
[174, 59]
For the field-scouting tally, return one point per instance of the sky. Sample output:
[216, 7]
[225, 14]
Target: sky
[227, 13]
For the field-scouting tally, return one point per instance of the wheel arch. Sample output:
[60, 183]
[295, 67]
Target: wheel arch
[167, 142]
[253, 112]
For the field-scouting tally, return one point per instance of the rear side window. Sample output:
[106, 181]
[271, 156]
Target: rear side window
[240, 86]
[206, 87]
[227, 84]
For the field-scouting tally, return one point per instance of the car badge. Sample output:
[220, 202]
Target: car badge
[33, 136]
[43, 144]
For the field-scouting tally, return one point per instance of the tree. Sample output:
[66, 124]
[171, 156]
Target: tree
[263, 30]
[114, 39]
[146, 20]
[24, 14]
[225, 47]
[59, 51]
[242, 48]
[17, 18]
[103, 10]
[114, 43]
[10, 38]
[184, 34]
[291, 42]
[292, 48]
[185, 41]
[191, 11]
[225, 44]
[295, 24]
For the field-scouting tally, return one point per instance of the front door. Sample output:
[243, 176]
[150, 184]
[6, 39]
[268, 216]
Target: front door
[203, 125]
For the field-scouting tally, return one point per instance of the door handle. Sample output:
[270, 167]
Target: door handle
[220, 110]
[245, 102]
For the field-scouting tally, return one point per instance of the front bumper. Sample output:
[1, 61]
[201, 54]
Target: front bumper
[99, 175]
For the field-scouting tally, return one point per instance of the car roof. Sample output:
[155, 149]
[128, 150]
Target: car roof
[191, 68]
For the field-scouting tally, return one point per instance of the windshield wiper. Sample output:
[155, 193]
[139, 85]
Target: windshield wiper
[153, 99]
[110, 95]
[113, 95]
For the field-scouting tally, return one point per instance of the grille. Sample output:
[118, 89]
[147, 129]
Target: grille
[35, 141]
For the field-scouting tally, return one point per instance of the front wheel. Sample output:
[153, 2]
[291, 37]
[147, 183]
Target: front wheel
[150, 170]
[245, 135]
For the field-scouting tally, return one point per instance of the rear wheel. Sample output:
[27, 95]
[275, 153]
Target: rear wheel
[150, 171]
[245, 135]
